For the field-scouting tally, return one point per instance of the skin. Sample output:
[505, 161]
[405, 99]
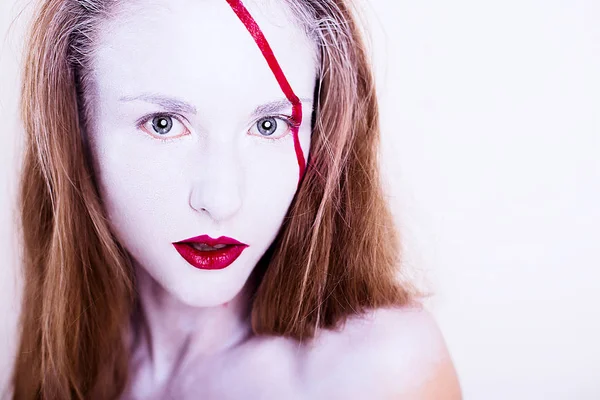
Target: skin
[214, 173]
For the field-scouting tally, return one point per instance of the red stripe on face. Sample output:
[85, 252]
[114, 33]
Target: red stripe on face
[267, 53]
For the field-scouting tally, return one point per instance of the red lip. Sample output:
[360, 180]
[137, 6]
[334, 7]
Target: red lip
[213, 259]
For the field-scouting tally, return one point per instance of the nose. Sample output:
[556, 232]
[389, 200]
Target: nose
[217, 183]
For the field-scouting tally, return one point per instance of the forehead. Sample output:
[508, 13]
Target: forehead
[198, 49]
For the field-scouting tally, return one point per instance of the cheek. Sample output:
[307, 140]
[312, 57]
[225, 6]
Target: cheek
[139, 186]
[271, 179]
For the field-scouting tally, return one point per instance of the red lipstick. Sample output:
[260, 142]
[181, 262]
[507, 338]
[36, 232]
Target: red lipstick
[204, 252]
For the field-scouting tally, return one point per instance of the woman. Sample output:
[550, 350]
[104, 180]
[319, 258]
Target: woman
[202, 213]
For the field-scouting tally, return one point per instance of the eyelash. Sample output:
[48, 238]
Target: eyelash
[292, 123]
[288, 119]
[140, 123]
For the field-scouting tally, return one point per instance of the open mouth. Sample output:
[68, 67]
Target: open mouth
[205, 247]
[204, 252]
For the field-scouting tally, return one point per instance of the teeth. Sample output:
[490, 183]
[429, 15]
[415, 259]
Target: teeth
[205, 247]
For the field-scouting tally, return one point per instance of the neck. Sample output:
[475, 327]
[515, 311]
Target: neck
[169, 332]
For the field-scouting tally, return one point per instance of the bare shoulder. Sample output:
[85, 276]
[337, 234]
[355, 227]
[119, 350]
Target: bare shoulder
[410, 354]
[391, 353]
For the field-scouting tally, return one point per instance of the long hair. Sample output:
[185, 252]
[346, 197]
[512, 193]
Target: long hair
[337, 253]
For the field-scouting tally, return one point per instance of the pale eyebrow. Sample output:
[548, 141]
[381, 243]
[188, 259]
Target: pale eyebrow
[175, 105]
[275, 107]
[170, 104]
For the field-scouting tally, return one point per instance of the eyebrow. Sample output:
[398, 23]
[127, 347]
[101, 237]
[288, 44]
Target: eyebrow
[175, 105]
[168, 103]
[276, 107]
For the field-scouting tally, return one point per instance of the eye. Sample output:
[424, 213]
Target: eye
[164, 125]
[271, 127]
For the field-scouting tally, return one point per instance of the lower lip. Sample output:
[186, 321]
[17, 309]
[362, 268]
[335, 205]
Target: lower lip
[214, 259]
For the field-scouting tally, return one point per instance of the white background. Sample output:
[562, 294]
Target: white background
[491, 136]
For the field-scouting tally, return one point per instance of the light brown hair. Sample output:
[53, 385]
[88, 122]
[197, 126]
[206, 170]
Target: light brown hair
[337, 253]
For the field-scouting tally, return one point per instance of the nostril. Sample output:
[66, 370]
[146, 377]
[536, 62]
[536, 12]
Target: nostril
[220, 205]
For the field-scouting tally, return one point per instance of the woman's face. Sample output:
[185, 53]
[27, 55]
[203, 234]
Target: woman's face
[189, 137]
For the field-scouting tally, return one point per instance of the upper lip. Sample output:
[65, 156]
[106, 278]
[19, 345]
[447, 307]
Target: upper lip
[212, 242]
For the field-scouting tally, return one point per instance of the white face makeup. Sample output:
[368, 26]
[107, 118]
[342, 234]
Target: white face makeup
[190, 135]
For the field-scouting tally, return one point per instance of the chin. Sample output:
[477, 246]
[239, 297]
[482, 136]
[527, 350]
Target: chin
[206, 294]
